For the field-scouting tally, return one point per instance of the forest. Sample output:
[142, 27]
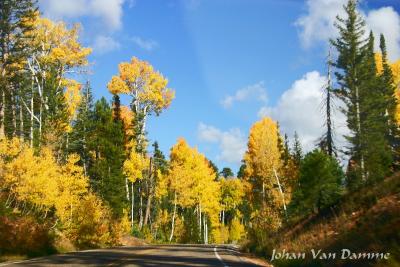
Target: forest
[78, 172]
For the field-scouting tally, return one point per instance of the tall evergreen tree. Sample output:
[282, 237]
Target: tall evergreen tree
[286, 150]
[82, 129]
[351, 51]
[389, 90]
[15, 20]
[373, 119]
[297, 151]
[107, 143]
[116, 108]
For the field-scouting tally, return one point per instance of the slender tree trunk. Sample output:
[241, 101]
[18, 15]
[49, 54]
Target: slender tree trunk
[127, 188]
[140, 206]
[132, 204]
[40, 122]
[200, 222]
[21, 121]
[14, 113]
[359, 134]
[31, 113]
[281, 192]
[2, 113]
[150, 194]
[173, 219]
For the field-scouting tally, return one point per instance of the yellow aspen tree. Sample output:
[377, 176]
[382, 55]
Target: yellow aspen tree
[72, 185]
[134, 167]
[150, 95]
[179, 178]
[148, 89]
[232, 193]
[56, 53]
[263, 160]
[192, 183]
[33, 178]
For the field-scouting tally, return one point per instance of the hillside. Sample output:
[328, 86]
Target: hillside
[365, 221]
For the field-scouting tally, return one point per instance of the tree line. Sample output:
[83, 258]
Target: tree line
[83, 169]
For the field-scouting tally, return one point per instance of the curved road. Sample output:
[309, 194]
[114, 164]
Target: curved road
[146, 256]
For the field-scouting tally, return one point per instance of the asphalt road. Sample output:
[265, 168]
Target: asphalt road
[157, 255]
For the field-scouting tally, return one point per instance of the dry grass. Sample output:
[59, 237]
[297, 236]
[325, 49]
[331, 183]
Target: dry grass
[364, 221]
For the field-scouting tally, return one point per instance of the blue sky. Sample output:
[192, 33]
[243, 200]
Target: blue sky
[230, 62]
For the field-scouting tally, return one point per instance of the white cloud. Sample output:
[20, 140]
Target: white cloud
[256, 91]
[299, 109]
[109, 11]
[232, 143]
[104, 44]
[148, 45]
[386, 21]
[318, 24]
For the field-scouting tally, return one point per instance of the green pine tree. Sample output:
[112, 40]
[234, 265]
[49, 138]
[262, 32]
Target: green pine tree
[226, 172]
[390, 104]
[351, 47]
[297, 151]
[107, 145]
[320, 184]
[83, 129]
[241, 171]
[13, 50]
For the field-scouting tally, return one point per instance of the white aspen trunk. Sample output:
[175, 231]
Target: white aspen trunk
[40, 121]
[3, 98]
[173, 220]
[223, 217]
[14, 114]
[359, 132]
[140, 207]
[150, 193]
[206, 232]
[200, 222]
[281, 191]
[21, 122]
[132, 204]
[127, 188]
[263, 192]
[31, 113]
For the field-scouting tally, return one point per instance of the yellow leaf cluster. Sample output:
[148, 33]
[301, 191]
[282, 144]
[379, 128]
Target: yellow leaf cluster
[135, 165]
[395, 67]
[58, 44]
[127, 117]
[232, 191]
[138, 79]
[39, 180]
[72, 186]
[73, 97]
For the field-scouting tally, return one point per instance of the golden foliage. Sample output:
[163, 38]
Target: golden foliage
[135, 165]
[263, 156]
[59, 45]
[73, 98]
[192, 179]
[395, 67]
[147, 86]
